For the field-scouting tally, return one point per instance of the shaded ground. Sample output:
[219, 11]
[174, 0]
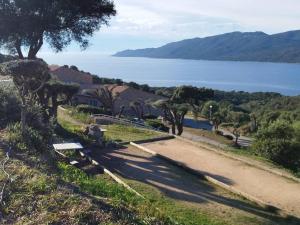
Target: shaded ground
[197, 136]
[270, 188]
[176, 184]
[193, 125]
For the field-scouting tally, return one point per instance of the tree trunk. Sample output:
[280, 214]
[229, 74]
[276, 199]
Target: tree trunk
[121, 111]
[179, 129]
[19, 51]
[173, 128]
[149, 110]
[35, 47]
[112, 109]
[236, 140]
[54, 106]
[142, 112]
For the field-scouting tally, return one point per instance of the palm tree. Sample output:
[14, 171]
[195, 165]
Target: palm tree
[107, 96]
[138, 108]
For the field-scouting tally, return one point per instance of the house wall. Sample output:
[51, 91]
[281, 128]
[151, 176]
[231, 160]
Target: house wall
[86, 100]
[130, 95]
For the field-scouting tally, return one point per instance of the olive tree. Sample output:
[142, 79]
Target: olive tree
[29, 77]
[193, 96]
[183, 99]
[174, 114]
[26, 24]
[53, 94]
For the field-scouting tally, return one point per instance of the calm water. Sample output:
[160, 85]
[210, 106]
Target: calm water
[242, 76]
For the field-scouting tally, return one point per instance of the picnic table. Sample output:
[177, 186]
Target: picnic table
[68, 146]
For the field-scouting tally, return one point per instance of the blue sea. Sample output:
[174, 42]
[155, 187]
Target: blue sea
[223, 75]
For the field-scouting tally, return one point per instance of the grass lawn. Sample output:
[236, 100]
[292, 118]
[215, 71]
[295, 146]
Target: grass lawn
[180, 212]
[76, 123]
[125, 133]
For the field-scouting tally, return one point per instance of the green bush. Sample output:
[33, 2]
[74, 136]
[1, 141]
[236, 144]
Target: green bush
[150, 117]
[32, 141]
[10, 108]
[157, 125]
[90, 109]
[218, 132]
[229, 137]
[280, 143]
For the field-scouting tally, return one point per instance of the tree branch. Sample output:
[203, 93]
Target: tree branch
[19, 50]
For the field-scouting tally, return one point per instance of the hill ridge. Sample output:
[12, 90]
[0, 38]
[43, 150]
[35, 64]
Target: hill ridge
[233, 46]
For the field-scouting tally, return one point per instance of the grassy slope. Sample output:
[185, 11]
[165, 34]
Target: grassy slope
[35, 197]
[69, 196]
[76, 123]
[122, 133]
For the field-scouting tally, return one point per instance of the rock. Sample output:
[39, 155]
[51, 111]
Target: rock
[95, 132]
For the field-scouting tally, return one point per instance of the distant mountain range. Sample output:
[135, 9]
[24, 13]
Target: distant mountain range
[236, 46]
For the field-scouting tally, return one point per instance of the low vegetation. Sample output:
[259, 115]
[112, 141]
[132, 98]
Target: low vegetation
[65, 195]
[279, 142]
[125, 133]
[210, 135]
[115, 132]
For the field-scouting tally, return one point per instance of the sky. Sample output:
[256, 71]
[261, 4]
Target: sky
[152, 23]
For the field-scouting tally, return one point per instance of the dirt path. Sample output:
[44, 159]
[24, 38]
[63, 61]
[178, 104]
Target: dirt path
[268, 187]
[173, 182]
[197, 138]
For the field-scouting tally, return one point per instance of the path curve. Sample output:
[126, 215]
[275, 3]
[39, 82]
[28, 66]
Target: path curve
[268, 187]
[135, 165]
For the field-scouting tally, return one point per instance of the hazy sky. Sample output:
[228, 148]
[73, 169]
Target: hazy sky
[151, 23]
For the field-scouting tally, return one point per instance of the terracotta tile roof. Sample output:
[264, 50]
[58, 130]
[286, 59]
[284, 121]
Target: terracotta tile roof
[117, 89]
[68, 75]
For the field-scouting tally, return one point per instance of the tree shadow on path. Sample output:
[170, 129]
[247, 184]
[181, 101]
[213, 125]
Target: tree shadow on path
[177, 184]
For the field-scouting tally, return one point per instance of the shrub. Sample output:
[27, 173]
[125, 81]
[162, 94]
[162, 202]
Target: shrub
[280, 143]
[32, 141]
[10, 108]
[227, 124]
[90, 109]
[218, 132]
[157, 125]
[229, 137]
[150, 117]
